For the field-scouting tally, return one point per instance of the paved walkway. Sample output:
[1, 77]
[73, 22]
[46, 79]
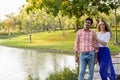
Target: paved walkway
[116, 62]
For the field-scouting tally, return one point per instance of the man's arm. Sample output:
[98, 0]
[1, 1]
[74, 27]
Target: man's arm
[76, 57]
[95, 41]
[76, 48]
[96, 48]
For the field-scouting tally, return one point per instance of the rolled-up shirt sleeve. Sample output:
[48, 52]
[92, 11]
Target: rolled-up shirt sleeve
[77, 41]
[94, 40]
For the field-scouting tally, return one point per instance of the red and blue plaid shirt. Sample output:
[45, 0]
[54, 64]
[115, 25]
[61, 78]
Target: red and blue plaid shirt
[84, 41]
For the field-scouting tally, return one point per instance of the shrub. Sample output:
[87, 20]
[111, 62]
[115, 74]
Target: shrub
[66, 74]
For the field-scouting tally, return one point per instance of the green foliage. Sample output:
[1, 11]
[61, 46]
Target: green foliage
[72, 8]
[118, 19]
[29, 77]
[66, 74]
[103, 8]
[52, 6]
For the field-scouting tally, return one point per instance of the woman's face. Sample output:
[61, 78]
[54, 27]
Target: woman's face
[102, 26]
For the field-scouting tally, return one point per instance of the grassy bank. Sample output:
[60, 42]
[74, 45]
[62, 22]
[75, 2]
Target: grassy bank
[59, 40]
[44, 40]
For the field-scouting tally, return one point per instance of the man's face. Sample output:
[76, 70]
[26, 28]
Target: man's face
[87, 24]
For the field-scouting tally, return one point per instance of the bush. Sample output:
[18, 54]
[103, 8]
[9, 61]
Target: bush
[66, 74]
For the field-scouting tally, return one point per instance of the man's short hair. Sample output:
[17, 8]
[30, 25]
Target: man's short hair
[89, 20]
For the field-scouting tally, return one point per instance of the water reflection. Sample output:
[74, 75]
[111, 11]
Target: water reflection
[10, 64]
[24, 64]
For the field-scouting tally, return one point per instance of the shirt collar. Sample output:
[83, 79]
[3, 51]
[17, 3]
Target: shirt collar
[85, 30]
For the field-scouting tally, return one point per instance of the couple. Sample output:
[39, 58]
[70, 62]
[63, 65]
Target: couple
[89, 43]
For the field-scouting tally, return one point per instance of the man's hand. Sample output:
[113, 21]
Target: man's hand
[96, 59]
[76, 59]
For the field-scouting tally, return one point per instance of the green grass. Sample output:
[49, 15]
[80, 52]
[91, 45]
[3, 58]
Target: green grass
[44, 40]
[115, 48]
[51, 41]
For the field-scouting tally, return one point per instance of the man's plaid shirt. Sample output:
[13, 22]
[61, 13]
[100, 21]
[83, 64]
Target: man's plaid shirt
[84, 41]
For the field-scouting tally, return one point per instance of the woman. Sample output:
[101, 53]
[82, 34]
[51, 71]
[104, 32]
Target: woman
[104, 34]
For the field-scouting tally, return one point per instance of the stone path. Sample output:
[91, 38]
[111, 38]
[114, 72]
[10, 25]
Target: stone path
[116, 62]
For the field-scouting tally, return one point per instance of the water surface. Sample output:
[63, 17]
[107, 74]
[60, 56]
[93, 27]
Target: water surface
[20, 64]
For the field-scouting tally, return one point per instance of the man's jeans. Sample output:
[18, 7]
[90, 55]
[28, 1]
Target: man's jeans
[86, 58]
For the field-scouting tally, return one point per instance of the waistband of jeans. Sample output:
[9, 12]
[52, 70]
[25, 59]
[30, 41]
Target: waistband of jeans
[86, 52]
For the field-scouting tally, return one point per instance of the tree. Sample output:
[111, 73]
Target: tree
[72, 8]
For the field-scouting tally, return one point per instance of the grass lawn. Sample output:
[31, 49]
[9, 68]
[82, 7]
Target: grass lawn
[59, 40]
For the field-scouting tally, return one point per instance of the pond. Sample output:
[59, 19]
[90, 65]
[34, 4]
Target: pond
[21, 64]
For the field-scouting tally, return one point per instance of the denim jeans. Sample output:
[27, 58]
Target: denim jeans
[86, 58]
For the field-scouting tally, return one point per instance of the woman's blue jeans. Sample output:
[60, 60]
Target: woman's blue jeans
[86, 58]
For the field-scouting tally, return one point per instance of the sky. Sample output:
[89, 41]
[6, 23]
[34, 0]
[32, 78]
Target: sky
[10, 6]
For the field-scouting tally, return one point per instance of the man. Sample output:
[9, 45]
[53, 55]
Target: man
[84, 44]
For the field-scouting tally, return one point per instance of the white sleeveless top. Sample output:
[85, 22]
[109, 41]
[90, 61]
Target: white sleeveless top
[103, 37]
